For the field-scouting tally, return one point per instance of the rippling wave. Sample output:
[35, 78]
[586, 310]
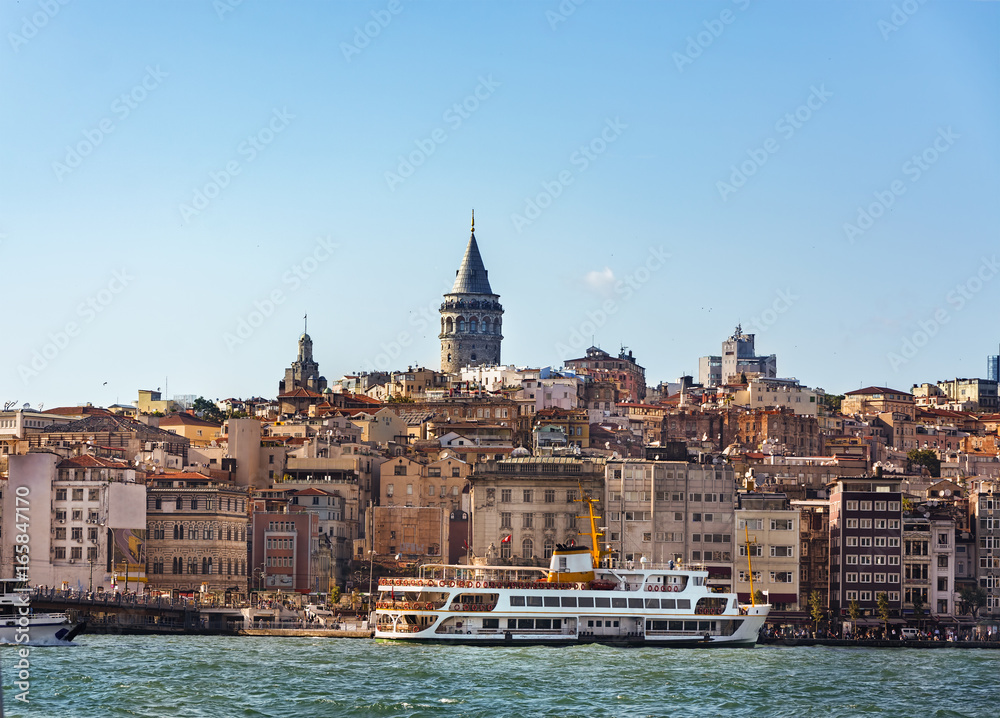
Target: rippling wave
[112, 676]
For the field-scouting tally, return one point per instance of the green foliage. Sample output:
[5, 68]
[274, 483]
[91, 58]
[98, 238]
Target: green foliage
[832, 401]
[918, 605]
[883, 608]
[207, 410]
[758, 597]
[816, 607]
[925, 457]
[854, 611]
[399, 399]
[971, 599]
[335, 595]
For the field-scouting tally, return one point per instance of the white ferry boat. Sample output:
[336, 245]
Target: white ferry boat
[573, 601]
[21, 626]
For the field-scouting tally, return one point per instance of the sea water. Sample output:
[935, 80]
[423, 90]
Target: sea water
[111, 676]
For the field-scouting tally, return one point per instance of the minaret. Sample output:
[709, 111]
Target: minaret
[470, 315]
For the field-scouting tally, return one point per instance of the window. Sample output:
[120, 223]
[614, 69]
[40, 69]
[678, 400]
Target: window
[527, 496]
[752, 524]
[782, 551]
[852, 505]
[505, 522]
[527, 520]
[78, 494]
[77, 534]
[781, 576]
[550, 496]
[852, 523]
[399, 470]
[782, 524]
[527, 549]
[942, 562]
[93, 495]
[390, 489]
[570, 496]
[755, 550]
[505, 496]
[550, 521]
[60, 494]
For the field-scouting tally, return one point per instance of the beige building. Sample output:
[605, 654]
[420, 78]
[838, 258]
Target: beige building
[87, 520]
[198, 431]
[772, 527]
[151, 402]
[767, 393]
[523, 507]
[415, 533]
[382, 427]
[197, 533]
[878, 400]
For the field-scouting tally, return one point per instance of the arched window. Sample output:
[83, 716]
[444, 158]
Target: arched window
[206, 565]
[449, 326]
[461, 324]
[527, 548]
[194, 504]
[550, 546]
[473, 325]
[487, 326]
[505, 550]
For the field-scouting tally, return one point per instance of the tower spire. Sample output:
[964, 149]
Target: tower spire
[305, 323]
[473, 221]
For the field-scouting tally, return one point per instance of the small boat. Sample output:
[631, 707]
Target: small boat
[576, 600]
[20, 625]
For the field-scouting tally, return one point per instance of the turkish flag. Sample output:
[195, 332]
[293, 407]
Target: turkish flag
[505, 539]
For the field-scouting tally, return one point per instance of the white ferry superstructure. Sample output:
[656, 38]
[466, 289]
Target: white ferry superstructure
[572, 601]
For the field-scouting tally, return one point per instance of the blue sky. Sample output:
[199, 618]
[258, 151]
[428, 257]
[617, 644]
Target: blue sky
[183, 181]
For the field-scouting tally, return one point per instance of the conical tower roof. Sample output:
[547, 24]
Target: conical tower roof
[471, 277]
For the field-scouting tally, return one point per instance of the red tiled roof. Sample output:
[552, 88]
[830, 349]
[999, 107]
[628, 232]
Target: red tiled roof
[878, 390]
[185, 419]
[300, 393]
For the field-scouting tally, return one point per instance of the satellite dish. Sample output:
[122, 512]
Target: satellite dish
[947, 492]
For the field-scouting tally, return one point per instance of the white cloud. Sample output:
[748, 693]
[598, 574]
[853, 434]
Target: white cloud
[602, 281]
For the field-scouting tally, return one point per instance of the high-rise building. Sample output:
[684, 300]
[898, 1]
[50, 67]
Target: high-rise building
[737, 358]
[470, 315]
[993, 367]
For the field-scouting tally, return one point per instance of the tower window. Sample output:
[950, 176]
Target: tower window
[473, 357]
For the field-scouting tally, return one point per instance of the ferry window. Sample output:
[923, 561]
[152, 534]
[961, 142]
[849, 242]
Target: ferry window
[517, 600]
[557, 623]
[635, 603]
[525, 623]
[552, 601]
[544, 624]
[586, 601]
[491, 623]
[590, 624]
[569, 601]
[511, 623]
[534, 600]
[615, 624]
[704, 625]
[618, 603]
[600, 602]
[676, 625]
[668, 603]
[683, 603]
[652, 603]
[690, 625]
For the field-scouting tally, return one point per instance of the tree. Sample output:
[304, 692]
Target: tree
[925, 457]
[832, 401]
[971, 599]
[816, 608]
[883, 610]
[207, 410]
[918, 604]
[853, 610]
[758, 597]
